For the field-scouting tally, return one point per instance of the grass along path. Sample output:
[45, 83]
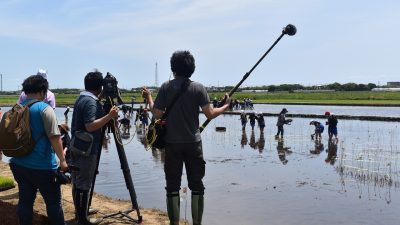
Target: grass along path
[330, 98]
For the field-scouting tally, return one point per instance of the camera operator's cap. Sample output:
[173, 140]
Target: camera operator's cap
[42, 73]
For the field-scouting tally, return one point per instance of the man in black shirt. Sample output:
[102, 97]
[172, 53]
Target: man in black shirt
[183, 140]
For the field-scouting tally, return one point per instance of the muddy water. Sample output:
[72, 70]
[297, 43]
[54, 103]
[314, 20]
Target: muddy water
[339, 110]
[257, 179]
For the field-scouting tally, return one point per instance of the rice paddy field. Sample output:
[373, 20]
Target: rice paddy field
[255, 178]
[332, 98]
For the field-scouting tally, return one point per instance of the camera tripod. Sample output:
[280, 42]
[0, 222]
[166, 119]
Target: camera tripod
[124, 166]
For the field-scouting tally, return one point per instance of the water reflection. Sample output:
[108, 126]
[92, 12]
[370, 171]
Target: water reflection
[243, 140]
[106, 141]
[253, 140]
[158, 155]
[261, 142]
[318, 147]
[332, 153]
[257, 144]
[282, 150]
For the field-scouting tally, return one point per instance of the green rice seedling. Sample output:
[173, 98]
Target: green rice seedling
[6, 183]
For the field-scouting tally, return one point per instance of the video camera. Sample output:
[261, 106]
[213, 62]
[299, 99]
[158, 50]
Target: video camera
[110, 86]
[64, 177]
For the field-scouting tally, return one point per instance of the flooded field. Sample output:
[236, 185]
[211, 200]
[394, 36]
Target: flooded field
[253, 178]
[339, 110]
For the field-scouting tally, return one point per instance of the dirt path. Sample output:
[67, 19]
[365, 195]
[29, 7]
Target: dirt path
[105, 204]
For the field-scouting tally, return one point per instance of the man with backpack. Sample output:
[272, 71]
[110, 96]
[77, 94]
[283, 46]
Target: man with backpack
[34, 164]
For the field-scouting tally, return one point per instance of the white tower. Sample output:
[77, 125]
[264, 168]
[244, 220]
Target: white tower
[156, 83]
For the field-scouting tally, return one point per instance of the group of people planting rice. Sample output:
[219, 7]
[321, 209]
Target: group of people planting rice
[331, 122]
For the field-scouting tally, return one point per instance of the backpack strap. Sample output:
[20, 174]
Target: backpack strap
[29, 104]
[184, 87]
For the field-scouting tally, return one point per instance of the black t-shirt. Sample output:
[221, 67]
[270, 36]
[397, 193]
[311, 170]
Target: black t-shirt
[183, 118]
[86, 110]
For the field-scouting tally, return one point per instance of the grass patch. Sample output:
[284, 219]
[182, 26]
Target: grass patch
[334, 98]
[6, 183]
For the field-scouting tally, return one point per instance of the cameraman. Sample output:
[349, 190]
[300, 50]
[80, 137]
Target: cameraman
[88, 116]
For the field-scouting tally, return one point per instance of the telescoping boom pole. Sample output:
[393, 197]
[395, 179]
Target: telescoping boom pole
[289, 30]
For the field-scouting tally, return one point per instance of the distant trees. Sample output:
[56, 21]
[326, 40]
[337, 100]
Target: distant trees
[271, 88]
[334, 86]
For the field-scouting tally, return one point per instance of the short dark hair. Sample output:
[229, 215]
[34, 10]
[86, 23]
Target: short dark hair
[182, 63]
[35, 84]
[94, 81]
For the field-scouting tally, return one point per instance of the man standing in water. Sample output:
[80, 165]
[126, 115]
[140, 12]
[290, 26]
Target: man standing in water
[332, 126]
[281, 121]
[183, 140]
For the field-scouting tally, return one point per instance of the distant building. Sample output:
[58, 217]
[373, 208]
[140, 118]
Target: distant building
[314, 91]
[385, 89]
[393, 84]
[256, 91]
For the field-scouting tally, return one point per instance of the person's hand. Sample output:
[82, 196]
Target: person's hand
[146, 93]
[226, 100]
[63, 165]
[113, 112]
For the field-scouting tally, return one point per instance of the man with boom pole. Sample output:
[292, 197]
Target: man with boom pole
[183, 140]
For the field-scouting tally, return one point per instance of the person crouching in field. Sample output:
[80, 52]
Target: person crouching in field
[319, 129]
[183, 139]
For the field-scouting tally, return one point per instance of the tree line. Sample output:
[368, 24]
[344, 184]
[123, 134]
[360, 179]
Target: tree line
[334, 86]
[270, 88]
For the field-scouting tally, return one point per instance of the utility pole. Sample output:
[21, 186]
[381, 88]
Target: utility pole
[156, 84]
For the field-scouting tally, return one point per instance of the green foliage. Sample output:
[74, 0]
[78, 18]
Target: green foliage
[337, 97]
[6, 182]
[340, 97]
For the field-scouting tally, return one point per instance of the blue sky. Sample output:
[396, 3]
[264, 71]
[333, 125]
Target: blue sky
[337, 41]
